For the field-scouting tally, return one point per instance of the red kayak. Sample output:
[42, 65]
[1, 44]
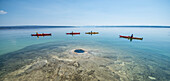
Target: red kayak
[129, 37]
[73, 33]
[43, 34]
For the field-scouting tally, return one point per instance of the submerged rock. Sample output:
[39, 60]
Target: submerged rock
[152, 78]
[76, 64]
[91, 72]
[36, 65]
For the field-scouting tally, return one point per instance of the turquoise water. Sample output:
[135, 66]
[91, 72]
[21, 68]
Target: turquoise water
[153, 50]
[155, 40]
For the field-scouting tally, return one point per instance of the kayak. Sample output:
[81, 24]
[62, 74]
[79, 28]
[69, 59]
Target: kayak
[43, 34]
[129, 37]
[92, 33]
[73, 33]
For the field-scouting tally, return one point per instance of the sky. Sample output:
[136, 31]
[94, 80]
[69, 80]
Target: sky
[84, 12]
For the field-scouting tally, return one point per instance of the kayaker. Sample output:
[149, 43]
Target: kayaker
[131, 35]
[36, 32]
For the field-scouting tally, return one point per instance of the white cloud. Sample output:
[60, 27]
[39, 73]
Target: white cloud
[3, 12]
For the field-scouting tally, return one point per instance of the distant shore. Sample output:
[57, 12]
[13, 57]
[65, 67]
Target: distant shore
[30, 27]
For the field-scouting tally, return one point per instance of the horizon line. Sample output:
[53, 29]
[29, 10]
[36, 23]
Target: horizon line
[81, 25]
[38, 26]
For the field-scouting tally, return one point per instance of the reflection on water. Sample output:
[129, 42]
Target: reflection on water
[72, 34]
[131, 39]
[106, 56]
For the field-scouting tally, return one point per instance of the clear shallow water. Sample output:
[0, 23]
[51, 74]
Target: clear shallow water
[155, 39]
[153, 51]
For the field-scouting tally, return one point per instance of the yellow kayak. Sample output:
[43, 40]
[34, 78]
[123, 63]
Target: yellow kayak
[92, 32]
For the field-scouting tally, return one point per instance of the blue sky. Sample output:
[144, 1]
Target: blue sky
[84, 12]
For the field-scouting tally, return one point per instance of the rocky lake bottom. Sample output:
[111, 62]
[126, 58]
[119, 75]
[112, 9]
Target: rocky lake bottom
[58, 62]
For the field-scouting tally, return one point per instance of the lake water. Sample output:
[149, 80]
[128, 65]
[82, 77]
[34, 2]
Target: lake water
[147, 59]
